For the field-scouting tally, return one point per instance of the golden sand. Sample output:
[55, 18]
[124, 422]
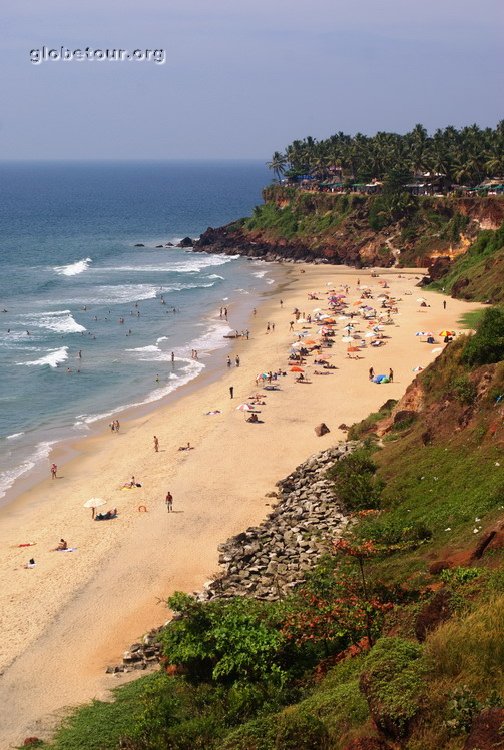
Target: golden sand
[65, 620]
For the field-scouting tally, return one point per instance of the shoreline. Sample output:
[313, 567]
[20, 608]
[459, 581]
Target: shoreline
[67, 447]
[86, 608]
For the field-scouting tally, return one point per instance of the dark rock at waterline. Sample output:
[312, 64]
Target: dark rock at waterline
[169, 244]
[139, 244]
[186, 242]
[158, 246]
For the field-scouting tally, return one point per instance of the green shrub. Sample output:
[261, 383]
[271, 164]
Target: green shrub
[225, 640]
[465, 390]
[461, 709]
[355, 482]
[254, 735]
[392, 683]
[301, 731]
[393, 531]
[487, 344]
[458, 576]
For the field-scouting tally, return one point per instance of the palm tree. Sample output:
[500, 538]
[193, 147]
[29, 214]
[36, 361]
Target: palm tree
[278, 164]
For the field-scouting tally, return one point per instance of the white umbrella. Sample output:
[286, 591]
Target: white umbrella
[244, 407]
[93, 503]
[297, 345]
[317, 309]
[370, 335]
[343, 317]
[421, 299]
[347, 339]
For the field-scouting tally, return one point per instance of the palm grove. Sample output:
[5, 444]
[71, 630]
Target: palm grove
[466, 156]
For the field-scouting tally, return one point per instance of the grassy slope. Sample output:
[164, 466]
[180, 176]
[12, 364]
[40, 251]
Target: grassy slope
[479, 273]
[427, 692]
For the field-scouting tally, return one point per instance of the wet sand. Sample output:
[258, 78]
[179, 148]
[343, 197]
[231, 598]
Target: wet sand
[65, 620]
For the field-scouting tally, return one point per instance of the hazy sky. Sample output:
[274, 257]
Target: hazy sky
[242, 77]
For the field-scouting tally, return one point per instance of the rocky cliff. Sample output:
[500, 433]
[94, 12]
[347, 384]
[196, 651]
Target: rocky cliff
[357, 230]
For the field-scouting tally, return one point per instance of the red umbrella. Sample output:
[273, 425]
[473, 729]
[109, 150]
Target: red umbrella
[296, 368]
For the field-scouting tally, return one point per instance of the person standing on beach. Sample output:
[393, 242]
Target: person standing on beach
[268, 327]
[116, 424]
[371, 373]
[444, 304]
[54, 471]
[273, 327]
[291, 325]
[391, 375]
[231, 389]
[156, 444]
[228, 361]
[237, 361]
[169, 502]
[172, 356]
[281, 303]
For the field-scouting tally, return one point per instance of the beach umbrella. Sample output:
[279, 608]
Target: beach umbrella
[447, 333]
[382, 296]
[296, 368]
[423, 333]
[244, 407]
[359, 302]
[310, 342]
[93, 503]
[347, 339]
[418, 368]
[317, 309]
[370, 335]
[343, 317]
[353, 349]
[421, 299]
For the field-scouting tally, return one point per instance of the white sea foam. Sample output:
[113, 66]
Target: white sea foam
[161, 338]
[111, 294]
[213, 338]
[52, 358]
[194, 265]
[7, 478]
[215, 276]
[14, 436]
[270, 281]
[259, 274]
[73, 269]
[60, 321]
[190, 371]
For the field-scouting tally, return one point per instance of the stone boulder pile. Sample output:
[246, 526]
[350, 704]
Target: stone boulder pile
[268, 561]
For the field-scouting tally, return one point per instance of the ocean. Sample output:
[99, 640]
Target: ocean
[70, 273]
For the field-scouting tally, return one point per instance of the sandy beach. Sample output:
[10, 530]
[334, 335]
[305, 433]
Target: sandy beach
[74, 613]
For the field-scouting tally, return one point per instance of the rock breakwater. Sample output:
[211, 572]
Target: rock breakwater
[268, 561]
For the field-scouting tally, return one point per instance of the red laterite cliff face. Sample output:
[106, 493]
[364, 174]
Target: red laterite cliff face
[357, 230]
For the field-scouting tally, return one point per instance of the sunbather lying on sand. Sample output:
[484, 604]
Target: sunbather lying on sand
[106, 516]
[187, 447]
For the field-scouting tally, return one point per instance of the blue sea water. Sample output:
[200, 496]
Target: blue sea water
[69, 272]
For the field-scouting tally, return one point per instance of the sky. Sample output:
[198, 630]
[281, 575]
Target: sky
[242, 78]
